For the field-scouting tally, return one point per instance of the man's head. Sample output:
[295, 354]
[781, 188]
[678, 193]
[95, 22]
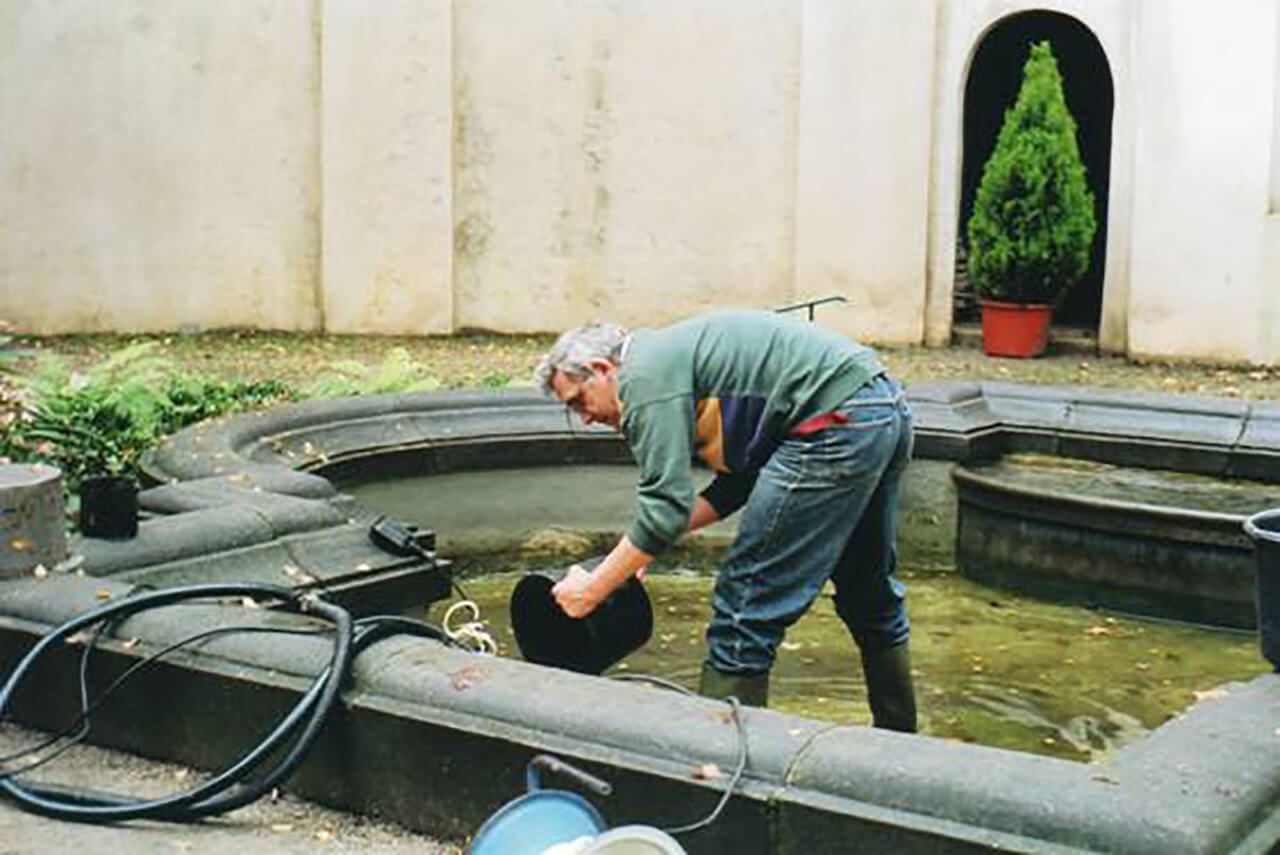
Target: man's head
[581, 370]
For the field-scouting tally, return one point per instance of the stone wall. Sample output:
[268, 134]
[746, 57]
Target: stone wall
[428, 166]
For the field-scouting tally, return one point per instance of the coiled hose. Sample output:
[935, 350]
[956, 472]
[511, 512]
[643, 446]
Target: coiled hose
[230, 788]
[227, 789]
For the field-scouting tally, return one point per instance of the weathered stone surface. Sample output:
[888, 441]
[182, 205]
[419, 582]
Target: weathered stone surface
[32, 520]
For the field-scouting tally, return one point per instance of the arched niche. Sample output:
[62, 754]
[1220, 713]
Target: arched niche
[991, 87]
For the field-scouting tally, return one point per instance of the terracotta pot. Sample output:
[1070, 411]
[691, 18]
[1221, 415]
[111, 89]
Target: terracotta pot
[1015, 329]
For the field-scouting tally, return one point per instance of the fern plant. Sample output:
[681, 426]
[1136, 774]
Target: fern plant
[396, 373]
[1032, 224]
[103, 419]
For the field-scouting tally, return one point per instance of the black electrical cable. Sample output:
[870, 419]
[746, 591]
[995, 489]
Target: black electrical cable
[226, 790]
[373, 629]
[73, 734]
[81, 724]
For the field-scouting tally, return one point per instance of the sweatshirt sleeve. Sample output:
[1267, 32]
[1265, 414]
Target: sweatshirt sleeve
[728, 491]
[660, 434]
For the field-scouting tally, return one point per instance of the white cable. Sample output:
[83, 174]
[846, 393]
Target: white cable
[472, 633]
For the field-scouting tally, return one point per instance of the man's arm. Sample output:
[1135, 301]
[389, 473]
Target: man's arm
[580, 592]
[703, 514]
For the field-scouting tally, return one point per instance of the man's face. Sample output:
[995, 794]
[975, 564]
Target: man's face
[593, 397]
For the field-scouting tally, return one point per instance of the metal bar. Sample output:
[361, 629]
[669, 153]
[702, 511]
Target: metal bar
[811, 304]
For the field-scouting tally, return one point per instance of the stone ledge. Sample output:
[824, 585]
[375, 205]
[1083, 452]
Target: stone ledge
[1199, 784]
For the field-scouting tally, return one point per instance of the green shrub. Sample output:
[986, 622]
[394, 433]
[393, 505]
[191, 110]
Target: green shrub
[1032, 224]
[104, 418]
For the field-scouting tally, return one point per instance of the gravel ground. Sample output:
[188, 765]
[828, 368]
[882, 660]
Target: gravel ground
[271, 825]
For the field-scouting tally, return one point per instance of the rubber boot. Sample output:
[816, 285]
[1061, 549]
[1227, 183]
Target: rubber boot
[889, 690]
[750, 689]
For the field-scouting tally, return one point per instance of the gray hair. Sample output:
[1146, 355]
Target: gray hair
[576, 349]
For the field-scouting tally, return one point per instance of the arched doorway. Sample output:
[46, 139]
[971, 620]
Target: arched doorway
[992, 86]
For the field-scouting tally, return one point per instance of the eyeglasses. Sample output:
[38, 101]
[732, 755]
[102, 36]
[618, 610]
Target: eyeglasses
[575, 401]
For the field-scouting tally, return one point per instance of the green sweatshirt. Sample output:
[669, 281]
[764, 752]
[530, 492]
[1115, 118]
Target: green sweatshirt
[726, 387]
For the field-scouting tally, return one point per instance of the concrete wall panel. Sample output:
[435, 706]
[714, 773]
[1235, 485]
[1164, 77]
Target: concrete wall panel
[388, 193]
[864, 153]
[158, 170]
[620, 159]
[1201, 170]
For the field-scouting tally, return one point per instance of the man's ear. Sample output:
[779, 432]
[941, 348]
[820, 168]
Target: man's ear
[602, 367]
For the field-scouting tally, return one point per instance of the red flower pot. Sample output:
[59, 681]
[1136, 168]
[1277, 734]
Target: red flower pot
[1015, 329]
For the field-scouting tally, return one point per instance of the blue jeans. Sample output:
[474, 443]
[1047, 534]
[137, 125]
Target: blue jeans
[825, 506]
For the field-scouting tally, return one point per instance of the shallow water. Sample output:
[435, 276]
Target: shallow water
[499, 508]
[990, 667]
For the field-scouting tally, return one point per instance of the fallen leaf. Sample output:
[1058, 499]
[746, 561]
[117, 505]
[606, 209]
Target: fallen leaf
[706, 772]
[1210, 695]
[102, 594]
[282, 828]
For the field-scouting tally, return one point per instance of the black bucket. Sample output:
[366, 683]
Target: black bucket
[619, 626]
[109, 506]
[1264, 530]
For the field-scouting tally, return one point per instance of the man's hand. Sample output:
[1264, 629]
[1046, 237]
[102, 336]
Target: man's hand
[579, 592]
[573, 593]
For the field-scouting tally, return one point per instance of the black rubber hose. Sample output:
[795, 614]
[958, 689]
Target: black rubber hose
[226, 791]
[370, 630]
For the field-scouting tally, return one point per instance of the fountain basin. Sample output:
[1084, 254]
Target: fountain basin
[438, 739]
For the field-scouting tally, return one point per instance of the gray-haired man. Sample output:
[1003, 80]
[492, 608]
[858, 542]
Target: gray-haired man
[807, 435]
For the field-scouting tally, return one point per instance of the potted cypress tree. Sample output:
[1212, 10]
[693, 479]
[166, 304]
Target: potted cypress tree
[1032, 224]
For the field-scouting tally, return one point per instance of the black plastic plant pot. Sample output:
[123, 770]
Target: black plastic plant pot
[109, 506]
[619, 626]
[1264, 530]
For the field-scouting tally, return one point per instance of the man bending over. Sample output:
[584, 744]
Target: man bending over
[809, 438]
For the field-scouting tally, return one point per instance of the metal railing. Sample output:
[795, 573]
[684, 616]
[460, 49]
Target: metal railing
[811, 304]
